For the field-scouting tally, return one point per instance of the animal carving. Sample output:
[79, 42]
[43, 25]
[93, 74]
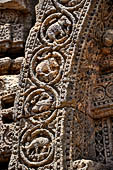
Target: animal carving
[58, 29]
[47, 70]
[43, 104]
[108, 38]
[40, 145]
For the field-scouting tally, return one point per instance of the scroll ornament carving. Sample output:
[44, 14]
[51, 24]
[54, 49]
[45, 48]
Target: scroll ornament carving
[50, 50]
[102, 94]
[41, 96]
[72, 4]
[6, 140]
[99, 93]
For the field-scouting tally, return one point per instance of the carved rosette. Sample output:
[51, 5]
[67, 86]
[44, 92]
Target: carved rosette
[102, 98]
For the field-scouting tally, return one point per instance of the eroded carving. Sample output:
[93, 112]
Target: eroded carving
[59, 29]
[37, 147]
[40, 105]
[14, 27]
[47, 66]
[64, 105]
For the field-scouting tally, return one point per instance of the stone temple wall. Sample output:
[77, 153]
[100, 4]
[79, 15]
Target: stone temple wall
[56, 85]
[16, 19]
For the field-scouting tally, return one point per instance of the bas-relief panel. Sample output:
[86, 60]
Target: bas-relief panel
[63, 109]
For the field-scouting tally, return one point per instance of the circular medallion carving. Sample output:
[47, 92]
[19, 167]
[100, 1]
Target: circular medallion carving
[40, 104]
[8, 136]
[36, 147]
[99, 93]
[57, 29]
[109, 90]
[46, 66]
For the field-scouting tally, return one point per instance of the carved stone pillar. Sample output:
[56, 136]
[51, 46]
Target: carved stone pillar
[16, 19]
[58, 106]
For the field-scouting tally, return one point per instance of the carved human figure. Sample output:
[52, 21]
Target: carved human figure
[58, 29]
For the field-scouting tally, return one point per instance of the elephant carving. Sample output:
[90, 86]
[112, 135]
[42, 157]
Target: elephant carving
[58, 29]
[40, 145]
